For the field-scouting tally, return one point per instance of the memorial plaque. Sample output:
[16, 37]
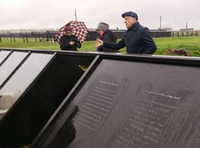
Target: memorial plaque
[131, 105]
[32, 86]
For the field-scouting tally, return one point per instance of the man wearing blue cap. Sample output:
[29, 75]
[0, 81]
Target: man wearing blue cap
[137, 38]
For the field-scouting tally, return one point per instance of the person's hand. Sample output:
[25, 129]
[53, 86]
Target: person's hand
[71, 42]
[81, 41]
[99, 43]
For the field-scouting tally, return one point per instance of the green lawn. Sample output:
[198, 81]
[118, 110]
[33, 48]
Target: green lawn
[190, 44]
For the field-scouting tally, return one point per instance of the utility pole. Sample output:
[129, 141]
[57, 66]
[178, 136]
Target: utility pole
[160, 26]
[160, 22]
[75, 15]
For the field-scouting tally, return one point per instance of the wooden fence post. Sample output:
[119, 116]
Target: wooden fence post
[26, 37]
[14, 38]
[11, 37]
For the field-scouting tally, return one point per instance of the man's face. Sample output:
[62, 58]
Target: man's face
[129, 21]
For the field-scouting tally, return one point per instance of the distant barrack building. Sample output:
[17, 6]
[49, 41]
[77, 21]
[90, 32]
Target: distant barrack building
[120, 33]
[49, 35]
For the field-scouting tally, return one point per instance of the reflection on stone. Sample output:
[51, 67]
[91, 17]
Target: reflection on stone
[7, 100]
[66, 134]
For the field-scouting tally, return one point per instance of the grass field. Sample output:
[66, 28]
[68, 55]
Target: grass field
[190, 44]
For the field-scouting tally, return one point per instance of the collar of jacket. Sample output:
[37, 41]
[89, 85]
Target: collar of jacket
[135, 26]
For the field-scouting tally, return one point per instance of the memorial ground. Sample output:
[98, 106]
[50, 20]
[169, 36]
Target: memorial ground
[165, 46]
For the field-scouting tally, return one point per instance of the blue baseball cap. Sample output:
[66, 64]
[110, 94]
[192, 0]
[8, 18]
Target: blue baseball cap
[130, 13]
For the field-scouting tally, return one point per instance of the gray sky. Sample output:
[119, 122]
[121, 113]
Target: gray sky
[44, 14]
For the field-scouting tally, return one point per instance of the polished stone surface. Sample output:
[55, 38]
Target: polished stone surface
[130, 105]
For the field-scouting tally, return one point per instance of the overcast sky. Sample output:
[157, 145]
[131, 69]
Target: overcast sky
[43, 14]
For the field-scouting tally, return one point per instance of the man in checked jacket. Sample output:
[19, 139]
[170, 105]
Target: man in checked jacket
[137, 38]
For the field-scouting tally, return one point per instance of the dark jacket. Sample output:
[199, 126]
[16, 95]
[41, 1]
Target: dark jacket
[137, 39]
[108, 36]
[64, 43]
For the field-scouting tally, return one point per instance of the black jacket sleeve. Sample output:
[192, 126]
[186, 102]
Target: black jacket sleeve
[64, 43]
[150, 47]
[107, 37]
[77, 42]
[118, 45]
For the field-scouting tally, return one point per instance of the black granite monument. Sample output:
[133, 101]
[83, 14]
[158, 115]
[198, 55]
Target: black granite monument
[124, 103]
[32, 86]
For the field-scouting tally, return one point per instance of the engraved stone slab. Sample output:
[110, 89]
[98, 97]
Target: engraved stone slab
[131, 105]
